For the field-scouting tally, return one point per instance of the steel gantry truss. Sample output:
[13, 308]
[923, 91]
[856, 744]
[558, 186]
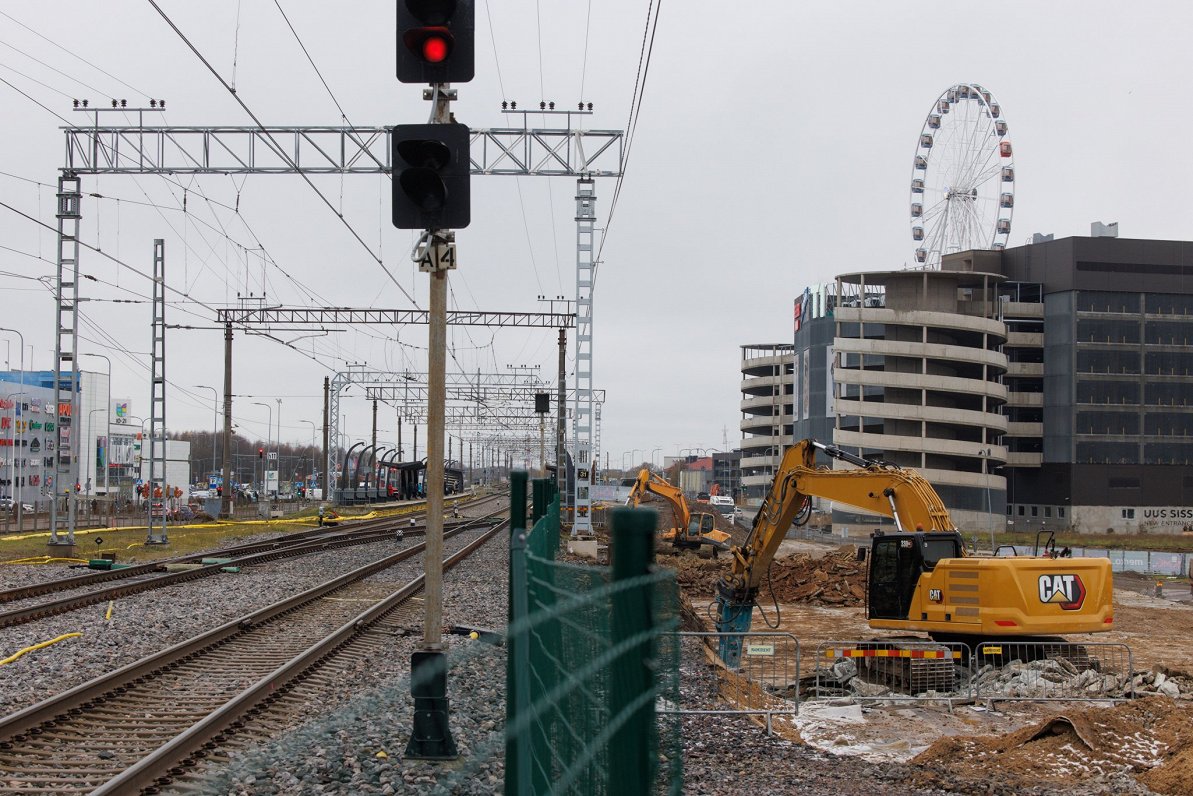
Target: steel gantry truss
[145, 149]
[475, 401]
[332, 316]
[329, 150]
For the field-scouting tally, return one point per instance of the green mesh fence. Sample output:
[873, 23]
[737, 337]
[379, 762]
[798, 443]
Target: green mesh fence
[586, 647]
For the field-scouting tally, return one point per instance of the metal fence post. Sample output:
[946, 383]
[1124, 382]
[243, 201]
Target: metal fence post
[632, 748]
[538, 489]
[517, 704]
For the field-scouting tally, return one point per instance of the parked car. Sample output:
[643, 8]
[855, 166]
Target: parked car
[7, 504]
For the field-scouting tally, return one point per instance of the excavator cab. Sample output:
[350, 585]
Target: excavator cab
[896, 562]
[699, 525]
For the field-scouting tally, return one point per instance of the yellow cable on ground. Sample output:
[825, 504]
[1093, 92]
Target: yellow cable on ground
[19, 653]
[108, 615]
[44, 560]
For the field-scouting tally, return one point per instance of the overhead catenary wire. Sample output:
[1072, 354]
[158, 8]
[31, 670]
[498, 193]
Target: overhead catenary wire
[221, 228]
[644, 55]
[281, 152]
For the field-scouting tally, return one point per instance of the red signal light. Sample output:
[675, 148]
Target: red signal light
[435, 49]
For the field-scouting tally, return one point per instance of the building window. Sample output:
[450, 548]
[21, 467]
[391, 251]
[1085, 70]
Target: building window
[1047, 511]
[1060, 512]
[1035, 511]
[1128, 514]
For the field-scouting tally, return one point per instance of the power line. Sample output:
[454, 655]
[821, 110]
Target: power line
[280, 151]
[644, 55]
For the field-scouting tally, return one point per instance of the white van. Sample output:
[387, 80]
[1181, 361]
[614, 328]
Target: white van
[723, 504]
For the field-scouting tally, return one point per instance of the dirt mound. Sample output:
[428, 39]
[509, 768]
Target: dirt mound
[833, 579]
[1151, 738]
[836, 578]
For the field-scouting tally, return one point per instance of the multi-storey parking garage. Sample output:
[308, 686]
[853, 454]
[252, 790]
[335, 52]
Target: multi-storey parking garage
[766, 388]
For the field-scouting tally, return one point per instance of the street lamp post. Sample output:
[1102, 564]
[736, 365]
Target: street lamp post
[15, 476]
[312, 425]
[268, 442]
[107, 424]
[18, 502]
[985, 453]
[215, 414]
[279, 445]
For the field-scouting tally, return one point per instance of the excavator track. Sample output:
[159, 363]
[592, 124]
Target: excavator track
[910, 667]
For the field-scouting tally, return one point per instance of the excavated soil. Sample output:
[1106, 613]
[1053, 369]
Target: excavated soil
[835, 578]
[1151, 739]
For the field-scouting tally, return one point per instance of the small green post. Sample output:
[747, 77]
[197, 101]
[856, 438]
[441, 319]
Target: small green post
[538, 499]
[632, 748]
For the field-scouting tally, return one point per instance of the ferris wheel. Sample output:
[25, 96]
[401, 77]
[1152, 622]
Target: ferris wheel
[963, 176]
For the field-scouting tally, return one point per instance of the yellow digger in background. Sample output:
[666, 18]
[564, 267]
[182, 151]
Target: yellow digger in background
[687, 530]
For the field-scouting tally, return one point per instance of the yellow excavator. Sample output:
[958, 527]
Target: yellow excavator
[687, 531]
[921, 578]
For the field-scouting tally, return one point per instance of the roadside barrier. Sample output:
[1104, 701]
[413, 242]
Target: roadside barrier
[766, 684]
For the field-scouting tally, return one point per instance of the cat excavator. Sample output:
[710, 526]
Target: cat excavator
[921, 579]
[687, 531]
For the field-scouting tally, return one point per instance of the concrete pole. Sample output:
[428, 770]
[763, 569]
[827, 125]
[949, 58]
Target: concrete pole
[226, 464]
[561, 412]
[326, 449]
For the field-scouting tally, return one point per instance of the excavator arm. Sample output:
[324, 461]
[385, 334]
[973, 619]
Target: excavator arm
[649, 483]
[874, 486]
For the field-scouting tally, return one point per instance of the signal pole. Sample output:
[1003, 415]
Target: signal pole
[431, 171]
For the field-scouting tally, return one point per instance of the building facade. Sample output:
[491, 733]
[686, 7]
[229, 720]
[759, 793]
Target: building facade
[1043, 386]
[30, 437]
[766, 415]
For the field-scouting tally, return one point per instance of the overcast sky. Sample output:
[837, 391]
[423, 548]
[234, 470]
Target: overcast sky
[773, 150]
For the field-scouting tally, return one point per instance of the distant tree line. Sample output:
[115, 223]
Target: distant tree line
[293, 460]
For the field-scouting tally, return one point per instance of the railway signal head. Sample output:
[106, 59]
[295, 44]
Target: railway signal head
[430, 176]
[436, 41]
[260, 453]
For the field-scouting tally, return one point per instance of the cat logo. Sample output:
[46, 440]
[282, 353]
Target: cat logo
[1065, 590]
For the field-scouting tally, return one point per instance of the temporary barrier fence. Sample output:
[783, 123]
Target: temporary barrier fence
[766, 684]
[894, 669]
[1066, 671]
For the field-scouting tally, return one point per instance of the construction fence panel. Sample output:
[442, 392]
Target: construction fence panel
[892, 670]
[1046, 670]
[766, 684]
[586, 646]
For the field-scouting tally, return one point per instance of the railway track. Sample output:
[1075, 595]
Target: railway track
[140, 727]
[133, 580]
